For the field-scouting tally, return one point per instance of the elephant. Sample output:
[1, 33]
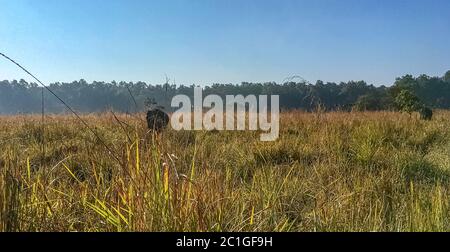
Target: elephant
[426, 113]
[157, 119]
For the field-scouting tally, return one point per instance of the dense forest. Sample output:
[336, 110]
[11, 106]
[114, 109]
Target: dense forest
[23, 97]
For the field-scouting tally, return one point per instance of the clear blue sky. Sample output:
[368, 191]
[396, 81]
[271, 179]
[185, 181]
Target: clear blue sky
[219, 41]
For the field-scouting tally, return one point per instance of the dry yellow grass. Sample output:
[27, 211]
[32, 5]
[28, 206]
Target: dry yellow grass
[377, 171]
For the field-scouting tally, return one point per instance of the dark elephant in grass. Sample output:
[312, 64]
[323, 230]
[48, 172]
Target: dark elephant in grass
[426, 113]
[157, 119]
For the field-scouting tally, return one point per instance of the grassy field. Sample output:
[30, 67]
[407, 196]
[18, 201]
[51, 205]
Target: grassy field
[374, 171]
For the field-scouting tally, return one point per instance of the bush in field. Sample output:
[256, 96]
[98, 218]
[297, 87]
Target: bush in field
[407, 101]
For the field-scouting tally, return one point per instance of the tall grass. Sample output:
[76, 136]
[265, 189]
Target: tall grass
[377, 171]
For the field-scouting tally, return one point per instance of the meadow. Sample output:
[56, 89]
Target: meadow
[333, 171]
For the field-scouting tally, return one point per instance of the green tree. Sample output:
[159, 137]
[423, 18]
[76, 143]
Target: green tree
[447, 76]
[407, 101]
[367, 102]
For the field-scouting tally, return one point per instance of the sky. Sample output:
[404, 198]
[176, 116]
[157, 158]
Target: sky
[224, 41]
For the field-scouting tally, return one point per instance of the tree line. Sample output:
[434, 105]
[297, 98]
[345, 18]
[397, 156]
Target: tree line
[128, 97]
